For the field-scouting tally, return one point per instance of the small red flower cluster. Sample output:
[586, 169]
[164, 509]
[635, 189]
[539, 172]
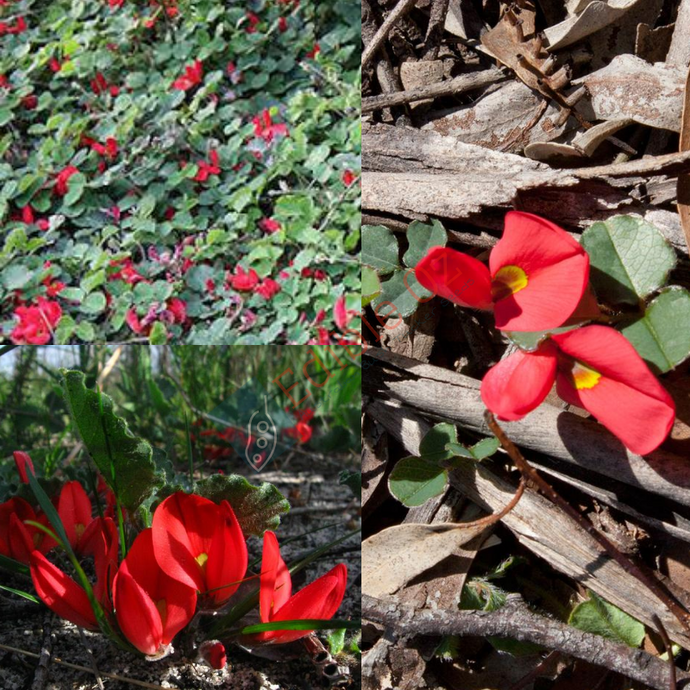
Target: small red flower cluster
[173, 311]
[36, 323]
[538, 279]
[194, 554]
[193, 76]
[301, 432]
[266, 129]
[249, 281]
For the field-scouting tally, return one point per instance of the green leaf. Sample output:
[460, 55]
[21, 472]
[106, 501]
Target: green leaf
[13, 566]
[662, 335]
[629, 259]
[414, 481]
[530, 341]
[485, 448]
[15, 277]
[257, 508]
[21, 593]
[422, 238]
[94, 303]
[304, 624]
[458, 450]
[371, 285]
[124, 460]
[601, 618]
[379, 249]
[159, 334]
[403, 292]
[433, 445]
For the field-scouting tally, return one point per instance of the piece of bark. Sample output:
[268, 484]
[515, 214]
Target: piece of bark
[374, 464]
[679, 52]
[582, 442]
[683, 189]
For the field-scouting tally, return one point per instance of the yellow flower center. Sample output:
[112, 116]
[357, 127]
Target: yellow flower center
[201, 560]
[507, 281]
[79, 529]
[583, 376]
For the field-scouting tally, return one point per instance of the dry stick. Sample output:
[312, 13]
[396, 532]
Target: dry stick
[637, 571]
[41, 673]
[92, 659]
[434, 31]
[459, 84]
[77, 667]
[515, 620]
[401, 9]
[669, 650]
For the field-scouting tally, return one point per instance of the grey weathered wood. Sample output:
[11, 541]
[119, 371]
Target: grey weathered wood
[543, 529]
[583, 442]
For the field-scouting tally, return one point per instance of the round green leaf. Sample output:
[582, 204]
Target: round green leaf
[434, 445]
[414, 481]
[403, 292]
[94, 303]
[379, 249]
[15, 277]
[422, 238]
[662, 335]
[371, 285]
[629, 259]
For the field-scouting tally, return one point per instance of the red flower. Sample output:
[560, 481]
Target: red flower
[213, 651]
[200, 544]
[100, 85]
[594, 367]
[61, 187]
[341, 314]
[127, 273]
[60, 593]
[253, 21]
[301, 432]
[282, 25]
[132, 320]
[266, 129]
[314, 51]
[269, 225]
[36, 323]
[74, 508]
[348, 178]
[109, 149]
[18, 27]
[178, 308]
[22, 460]
[4, 82]
[193, 75]
[538, 275]
[151, 607]
[243, 281]
[268, 288]
[54, 64]
[18, 540]
[208, 169]
[318, 600]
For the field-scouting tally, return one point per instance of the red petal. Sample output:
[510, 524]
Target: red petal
[21, 539]
[519, 383]
[180, 600]
[137, 615]
[74, 509]
[320, 599]
[458, 277]
[60, 593]
[183, 529]
[557, 269]
[639, 421]
[227, 557]
[23, 460]
[276, 584]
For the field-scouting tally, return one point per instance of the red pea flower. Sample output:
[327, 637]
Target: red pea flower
[269, 225]
[538, 275]
[193, 75]
[282, 25]
[341, 314]
[594, 367]
[301, 432]
[178, 308]
[253, 22]
[74, 508]
[319, 599]
[348, 178]
[30, 102]
[268, 288]
[266, 129]
[208, 169]
[109, 149]
[18, 540]
[36, 323]
[54, 64]
[151, 607]
[22, 460]
[61, 594]
[18, 27]
[201, 545]
[213, 651]
[61, 180]
[243, 281]
[314, 51]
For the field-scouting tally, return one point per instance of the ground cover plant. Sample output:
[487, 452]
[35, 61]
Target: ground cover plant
[183, 171]
[526, 302]
[177, 556]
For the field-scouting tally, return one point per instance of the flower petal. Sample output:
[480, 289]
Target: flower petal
[74, 509]
[557, 270]
[458, 277]
[319, 599]
[519, 383]
[227, 556]
[276, 585]
[60, 593]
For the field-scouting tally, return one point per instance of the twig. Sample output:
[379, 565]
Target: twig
[92, 659]
[515, 620]
[434, 31]
[41, 674]
[77, 667]
[400, 10]
[637, 571]
[459, 84]
[669, 650]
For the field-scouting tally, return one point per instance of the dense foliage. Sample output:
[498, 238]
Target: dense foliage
[178, 170]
